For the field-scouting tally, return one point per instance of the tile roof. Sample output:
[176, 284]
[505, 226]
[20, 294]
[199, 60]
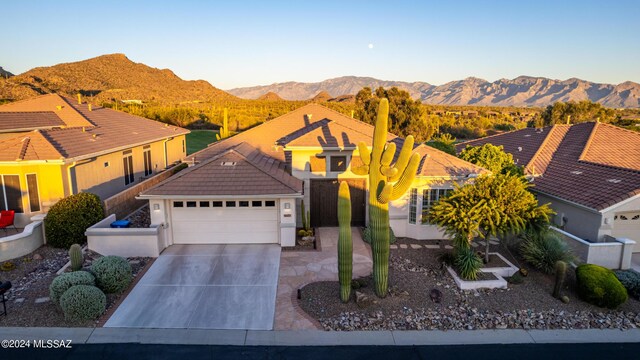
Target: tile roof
[30, 146]
[102, 129]
[327, 128]
[25, 121]
[591, 164]
[250, 173]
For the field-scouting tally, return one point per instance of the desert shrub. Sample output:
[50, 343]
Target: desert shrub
[544, 250]
[70, 217]
[63, 282]
[366, 236]
[630, 279]
[83, 302]
[113, 273]
[599, 286]
[467, 263]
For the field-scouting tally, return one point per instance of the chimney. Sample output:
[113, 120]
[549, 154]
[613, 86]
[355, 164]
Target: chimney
[79, 98]
[309, 117]
[83, 130]
[90, 107]
[59, 107]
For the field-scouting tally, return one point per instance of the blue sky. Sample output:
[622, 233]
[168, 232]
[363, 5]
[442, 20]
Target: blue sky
[245, 43]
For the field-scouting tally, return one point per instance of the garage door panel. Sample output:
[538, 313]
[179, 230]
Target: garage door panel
[203, 214]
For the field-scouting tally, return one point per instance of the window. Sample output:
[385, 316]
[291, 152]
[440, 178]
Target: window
[270, 203]
[256, 203]
[216, 203]
[106, 164]
[148, 169]
[243, 203]
[127, 161]
[178, 204]
[204, 204]
[413, 201]
[338, 163]
[191, 204]
[231, 204]
[429, 197]
[183, 149]
[10, 193]
[34, 195]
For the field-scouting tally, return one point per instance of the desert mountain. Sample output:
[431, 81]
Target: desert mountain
[521, 91]
[270, 96]
[322, 96]
[4, 73]
[109, 77]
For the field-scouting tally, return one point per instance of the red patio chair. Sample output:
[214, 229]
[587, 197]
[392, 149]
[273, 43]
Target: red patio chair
[6, 220]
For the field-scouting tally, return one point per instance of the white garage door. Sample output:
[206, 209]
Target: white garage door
[627, 225]
[224, 222]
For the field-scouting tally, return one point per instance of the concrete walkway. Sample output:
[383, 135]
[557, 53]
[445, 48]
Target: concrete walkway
[317, 338]
[298, 268]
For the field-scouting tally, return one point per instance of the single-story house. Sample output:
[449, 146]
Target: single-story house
[589, 172]
[52, 146]
[248, 188]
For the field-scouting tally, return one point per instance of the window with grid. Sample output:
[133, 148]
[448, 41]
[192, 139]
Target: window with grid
[413, 203]
[127, 161]
[429, 197]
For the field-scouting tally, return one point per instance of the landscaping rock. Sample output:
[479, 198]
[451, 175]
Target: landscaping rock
[37, 257]
[42, 300]
[362, 300]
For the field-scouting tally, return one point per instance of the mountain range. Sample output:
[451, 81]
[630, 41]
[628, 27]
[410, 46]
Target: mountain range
[115, 77]
[521, 91]
[109, 77]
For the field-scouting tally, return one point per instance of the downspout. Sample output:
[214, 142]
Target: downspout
[166, 159]
[69, 177]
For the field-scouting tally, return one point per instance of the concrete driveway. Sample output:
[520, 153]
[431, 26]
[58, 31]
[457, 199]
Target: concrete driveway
[205, 287]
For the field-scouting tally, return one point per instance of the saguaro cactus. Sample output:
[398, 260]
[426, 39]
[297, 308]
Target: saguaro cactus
[345, 246]
[75, 256]
[377, 164]
[561, 273]
[224, 130]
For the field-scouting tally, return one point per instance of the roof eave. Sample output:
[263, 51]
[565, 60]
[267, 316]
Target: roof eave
[584, 207]
[197, 197]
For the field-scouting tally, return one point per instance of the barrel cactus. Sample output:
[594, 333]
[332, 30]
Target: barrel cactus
[345, 246]
[76, 258]
[386, 183]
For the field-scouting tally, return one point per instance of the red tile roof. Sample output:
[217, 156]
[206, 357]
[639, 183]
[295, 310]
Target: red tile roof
[25, 121]
[87, 133]
[241, 170]
[591, 164]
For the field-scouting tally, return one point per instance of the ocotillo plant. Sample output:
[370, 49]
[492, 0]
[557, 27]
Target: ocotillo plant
[345, 246]
[224, 130]
[75, 256]
[377, 164]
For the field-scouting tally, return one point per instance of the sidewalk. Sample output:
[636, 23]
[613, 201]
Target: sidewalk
[318, 338]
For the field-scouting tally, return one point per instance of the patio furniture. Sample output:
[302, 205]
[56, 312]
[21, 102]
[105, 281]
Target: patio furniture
[6, 220]
[4, 287]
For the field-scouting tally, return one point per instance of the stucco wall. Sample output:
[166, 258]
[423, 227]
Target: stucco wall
[21, 244]
[130, 242]
[580, 222]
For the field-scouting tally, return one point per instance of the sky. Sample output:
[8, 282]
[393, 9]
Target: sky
[239, 43]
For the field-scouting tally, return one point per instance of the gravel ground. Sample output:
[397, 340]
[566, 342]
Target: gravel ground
[414, 273]
[31, 279]
[140, 218]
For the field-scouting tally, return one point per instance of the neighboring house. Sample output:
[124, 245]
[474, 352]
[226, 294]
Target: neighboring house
[52, 146]
[589, 172]
[248, 188]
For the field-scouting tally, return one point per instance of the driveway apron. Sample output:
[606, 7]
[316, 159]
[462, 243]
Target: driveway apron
[205, 287]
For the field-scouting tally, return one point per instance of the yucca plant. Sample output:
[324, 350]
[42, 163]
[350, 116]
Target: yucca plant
[544, 250]
[467, 263]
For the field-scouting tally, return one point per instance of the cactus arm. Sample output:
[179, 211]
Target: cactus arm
[385, 194]
[365, 154]
[403, 158]
[409, 173]
[387, 158]
[361, 170]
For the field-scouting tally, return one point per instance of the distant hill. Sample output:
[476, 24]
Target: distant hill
[270, 96]
[109, 77]
[322, 96]
[521, 91]
[4, 73]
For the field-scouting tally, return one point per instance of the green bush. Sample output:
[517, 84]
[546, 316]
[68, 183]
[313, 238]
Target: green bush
[630, 279]
[600, 286]
[544, 250]
[70, 217]
[63, 282]
[467, 263]
[113, 273]
[83, 302]
[366, 236]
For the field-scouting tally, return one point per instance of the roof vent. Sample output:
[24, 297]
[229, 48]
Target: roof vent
[59, 107]
[615, 181]
[519, 148]
[228, 163]
[576, 172]
[527, 135]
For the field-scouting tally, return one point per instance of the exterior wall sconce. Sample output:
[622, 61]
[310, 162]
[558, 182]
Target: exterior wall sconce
[156, 207]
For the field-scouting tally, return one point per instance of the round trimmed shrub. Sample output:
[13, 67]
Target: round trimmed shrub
[83, 302]
[599, 286]
[70, 217]
[113, 273]
[62, 283]
[630, 279]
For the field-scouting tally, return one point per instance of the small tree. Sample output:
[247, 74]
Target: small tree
[492, 158]
[492, 206]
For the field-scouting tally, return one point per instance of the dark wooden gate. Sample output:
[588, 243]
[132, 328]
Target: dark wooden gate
[324, 202]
